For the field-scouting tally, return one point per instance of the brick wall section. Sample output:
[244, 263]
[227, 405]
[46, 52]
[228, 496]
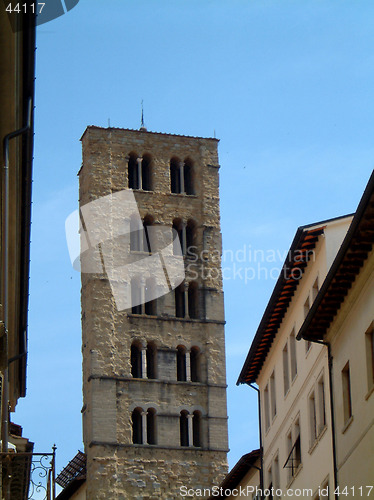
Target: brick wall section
[118, 469]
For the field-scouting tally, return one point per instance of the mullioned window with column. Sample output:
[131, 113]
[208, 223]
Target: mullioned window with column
[143, 426]
[182, 176]
[139, 171]
[190, 428]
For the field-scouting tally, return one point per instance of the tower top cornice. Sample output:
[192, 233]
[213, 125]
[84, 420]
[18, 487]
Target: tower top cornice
[145, 131]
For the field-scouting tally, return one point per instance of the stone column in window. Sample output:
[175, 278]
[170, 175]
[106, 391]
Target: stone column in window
[141, 238]
[144, 362]
[190, 429]
[139, 160]
[181, 176]
[183, 237]
[186, 314]
[144, 427]
[127, 159]
[142, 294]
[188, 366]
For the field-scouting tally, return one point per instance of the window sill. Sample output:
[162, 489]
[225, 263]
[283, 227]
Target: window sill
[295, 475]
[189, 382]
[148, 379]
[347, 424]
[140, 252]
[191, 258]
[184, 195]
[369, 393]
[322, 432]
[162, 381]
[144, 444]
[169, 318]
[293, 380]
[317, 440]
[173, 318]
[143, 315]
[313, 446]
[190, 448]
[159, 446]
[137, 190]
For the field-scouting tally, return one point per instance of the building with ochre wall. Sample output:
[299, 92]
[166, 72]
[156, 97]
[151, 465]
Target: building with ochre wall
[312, 360]
[17, 70]
[292, 377]
[154, 383]
[342, 317]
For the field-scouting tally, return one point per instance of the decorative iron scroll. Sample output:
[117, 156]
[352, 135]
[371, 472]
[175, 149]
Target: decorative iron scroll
[28, 476]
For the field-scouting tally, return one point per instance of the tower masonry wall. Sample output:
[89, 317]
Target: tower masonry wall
[118, 467]
[131, 473]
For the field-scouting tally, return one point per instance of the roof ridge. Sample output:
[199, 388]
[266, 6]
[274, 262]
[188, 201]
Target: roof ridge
[150, 132]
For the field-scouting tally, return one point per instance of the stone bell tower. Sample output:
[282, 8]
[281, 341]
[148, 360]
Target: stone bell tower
[154, 383]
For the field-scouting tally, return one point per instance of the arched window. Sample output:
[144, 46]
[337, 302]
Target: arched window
[188, 176]
[193, 300]
[196, 428]
[181, 176]
[147, 172]
[151, 354]
[181, 364]
[195, 364]
[190, 234]
[140, 172]
[150, 306]
[136, 360]
[137, 431]
[175, 182]
[133, 171]
[151, 426]
[136, 296]
[180, 309]
[183, 422]
[142, 296]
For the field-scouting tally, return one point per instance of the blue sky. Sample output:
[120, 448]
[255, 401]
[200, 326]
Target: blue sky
[287, 87]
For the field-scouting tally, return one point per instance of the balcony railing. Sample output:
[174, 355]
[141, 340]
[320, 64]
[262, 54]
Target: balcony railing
[28, 476]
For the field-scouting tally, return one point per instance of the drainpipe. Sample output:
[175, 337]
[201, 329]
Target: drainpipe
[330, 359]
[5, 401]
[261, 469]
